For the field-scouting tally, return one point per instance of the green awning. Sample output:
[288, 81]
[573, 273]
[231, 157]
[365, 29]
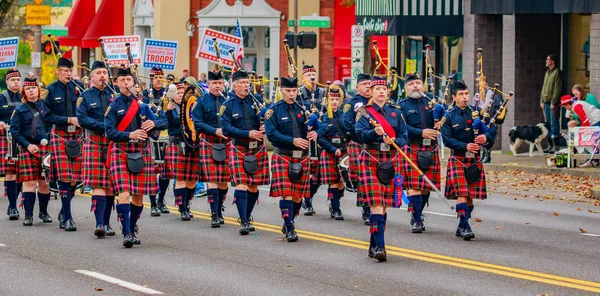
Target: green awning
[534, 6]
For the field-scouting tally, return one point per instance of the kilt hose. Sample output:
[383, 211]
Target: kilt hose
[281, 185]
[182, 167]
[328, 166]
[456, 183]
[412, 179]
[315, 172]
[213, 171]
[7, 167]
[142, 183]
[30, 165]
[376, 193]
[236, 165]
[62, 167]
[95, 173]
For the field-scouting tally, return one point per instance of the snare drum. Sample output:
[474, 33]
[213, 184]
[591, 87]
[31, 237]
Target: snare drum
[158, 149]
[343, 167]
[46, 165]
[12, 155]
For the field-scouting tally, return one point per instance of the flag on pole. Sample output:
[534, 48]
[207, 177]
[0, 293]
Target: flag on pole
[239, 55]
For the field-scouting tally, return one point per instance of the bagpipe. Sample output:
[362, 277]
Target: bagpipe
[260, 106]
[56, 53]
[110, 84]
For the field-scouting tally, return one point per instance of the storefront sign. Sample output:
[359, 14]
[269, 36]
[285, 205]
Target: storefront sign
[116, 51]
[37, 15]
[9, 47]
[206, 50]
[377, 25]
[160, 53]
[411, 66]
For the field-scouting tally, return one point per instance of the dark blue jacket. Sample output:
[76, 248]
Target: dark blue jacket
[234, 124]
[305, 95]
[366, 132]
[410, 109]
[328, 130]
[55, 106]
[8, 105]
[174, 120]
[205, 114]
[117, 110]
[349, 117]
[279, 127]
[21, 121]
[457, 131]
[157, 95]
[90, 113]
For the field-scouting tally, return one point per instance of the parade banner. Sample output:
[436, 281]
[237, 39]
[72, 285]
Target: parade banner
[9, 47]
[116, 52]
[207, 51]
[160, 53]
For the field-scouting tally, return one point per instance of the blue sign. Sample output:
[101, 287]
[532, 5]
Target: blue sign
[9, 48]
[160, 53]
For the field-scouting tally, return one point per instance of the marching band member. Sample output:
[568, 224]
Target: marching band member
[29, 130]
[91, 107]
[66, 137]
[214, 147]
[332, 140]
[154, 98]
[127, 123]
[9, 100]
[422, 149]
[465, 178]
[379, 161]
[248, 158]
[363, 82]
[181, 162]
[286, 129]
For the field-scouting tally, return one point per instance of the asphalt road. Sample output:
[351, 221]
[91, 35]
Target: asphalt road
[522, 248]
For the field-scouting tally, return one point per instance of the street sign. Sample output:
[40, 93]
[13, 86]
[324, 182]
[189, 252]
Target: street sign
[36, 59]
[116, 51]
[358, 31]
[357, 53]
[206, 50]
[358, 41]
[55, 30]
[355, 73]
[9, 48]
[315, 20]
[37, 15]
[160, 53]
[291, 23]
[358, 64]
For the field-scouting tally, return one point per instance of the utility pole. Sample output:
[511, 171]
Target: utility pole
[296, 23]
[37, 47]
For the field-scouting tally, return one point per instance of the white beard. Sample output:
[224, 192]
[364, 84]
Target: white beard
[415, 95]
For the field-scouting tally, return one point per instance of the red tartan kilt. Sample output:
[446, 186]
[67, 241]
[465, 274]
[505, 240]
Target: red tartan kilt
[236, 165]
[412, 179]
[374, 192]
[182, 167]
[281, 185]
[354, 150]
[212, 171]
[7, 167]
[30, 165]
[315, 172]
[329, 171]
[94, 170]
[142, 183]
[63, 167]
[456, 183]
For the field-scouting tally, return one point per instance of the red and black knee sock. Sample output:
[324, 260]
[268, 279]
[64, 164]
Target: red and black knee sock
[462, 211]
[416, 206]
[163, 184]
[64, 190]
[28, 203]
[134, 217]
[241, 202]
[43, 198]
[181, 199]
[12, 193]
[334, 197]
[110, 202]
[378, 229]
[99, 207]
[252, 201]
[123, 216]
[214, 200]
[286, 207]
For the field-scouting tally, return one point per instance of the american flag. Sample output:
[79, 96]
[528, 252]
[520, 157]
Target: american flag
[239, 55]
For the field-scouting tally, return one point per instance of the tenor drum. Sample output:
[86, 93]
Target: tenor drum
[158, 149]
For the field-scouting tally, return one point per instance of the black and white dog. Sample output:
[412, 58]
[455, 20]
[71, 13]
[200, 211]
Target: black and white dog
[532, 134]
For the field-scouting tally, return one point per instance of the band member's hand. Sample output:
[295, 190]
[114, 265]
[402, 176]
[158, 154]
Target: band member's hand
[472, 147]
[262, 128]
[139, 135]
[170, 106]
[219, 133]
[429, 134]
[481, 139]
[256, 135]
[379, 130]
[338, 152]
[437, 125]
[551, 106]
[312, 135]
[301, 143]
[388, 140]
[33, 149]
[148, 125]
[74, 121]
[3, 125]
[542, 105]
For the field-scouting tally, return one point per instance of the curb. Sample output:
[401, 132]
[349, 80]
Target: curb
[591, 172]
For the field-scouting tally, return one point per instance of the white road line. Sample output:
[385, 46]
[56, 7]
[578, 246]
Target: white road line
[118, 282]
[590, 234]
[2, 245]
[434, 213]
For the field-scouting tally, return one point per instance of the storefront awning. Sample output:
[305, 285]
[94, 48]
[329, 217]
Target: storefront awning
[534, 6]
[109, 21]
[78, 22]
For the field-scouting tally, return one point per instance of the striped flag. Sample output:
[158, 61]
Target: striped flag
[239, 55]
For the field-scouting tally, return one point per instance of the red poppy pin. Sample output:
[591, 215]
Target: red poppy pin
[394, 114]
[299, 115]
[469, 121]
[427, 108]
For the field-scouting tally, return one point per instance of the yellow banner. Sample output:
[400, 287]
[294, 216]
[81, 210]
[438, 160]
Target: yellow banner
[410, 66]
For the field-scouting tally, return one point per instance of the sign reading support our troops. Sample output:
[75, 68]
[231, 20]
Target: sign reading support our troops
[160, 53]
[207, 51]
[116, 51]
[9, 48]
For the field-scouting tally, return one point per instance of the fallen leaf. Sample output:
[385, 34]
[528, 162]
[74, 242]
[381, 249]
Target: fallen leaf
[100, 289]
[289, 265]
[498, 227]
[478, 220]
[592, 211]
[527, 223]
[555, 213]
[515, 198]
[582, 230]
[476, 226]
[578, 209]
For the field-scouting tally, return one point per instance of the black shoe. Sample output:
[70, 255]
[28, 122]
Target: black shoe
[190, 214]
[28, 221]
[458, 231]
[338, 216]
[163, 208]
[13, 214]
[189, 209]
[61, 220]
[136, 240]
[366, 220]
[128, 241]
[108, 231]
[467, 234]
[45, 217]
[371, 252]
[380, 254]
[250, 227]
[214, 222]
[100, 232]
[244, 228]
[185, 216]
[221, 220]
[70, 225]
[417, 227]
[154, 212]
[291, 235]
[309, 211]
[331, 215]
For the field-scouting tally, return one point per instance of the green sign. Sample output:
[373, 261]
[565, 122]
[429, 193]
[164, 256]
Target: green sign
[53, 3]
[314, 23]
[55, 31]
[291, 23]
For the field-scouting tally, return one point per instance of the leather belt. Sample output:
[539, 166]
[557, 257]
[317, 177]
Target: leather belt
[95, 133]
[379, 146]
[175, 139]
[291, 153]
[245, 143]
[463, 154]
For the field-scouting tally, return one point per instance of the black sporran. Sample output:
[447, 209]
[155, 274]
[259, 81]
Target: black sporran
[295, 172]
[72, 148]
[250, 164]
[425, 159]
[218, 152]
[135, 162]
[472, 173]
[385, 172]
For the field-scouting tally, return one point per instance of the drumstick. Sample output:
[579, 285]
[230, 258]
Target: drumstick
[416, 167]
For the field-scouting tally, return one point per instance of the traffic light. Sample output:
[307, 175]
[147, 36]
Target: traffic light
[291, 39]
[307, 40]
[47, 47]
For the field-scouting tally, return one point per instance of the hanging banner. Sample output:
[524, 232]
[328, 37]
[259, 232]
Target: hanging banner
[206, 50]
[116, 51]
[9, 48]
[160, 53]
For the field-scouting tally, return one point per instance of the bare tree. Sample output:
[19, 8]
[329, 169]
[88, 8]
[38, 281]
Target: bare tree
[5, 7]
